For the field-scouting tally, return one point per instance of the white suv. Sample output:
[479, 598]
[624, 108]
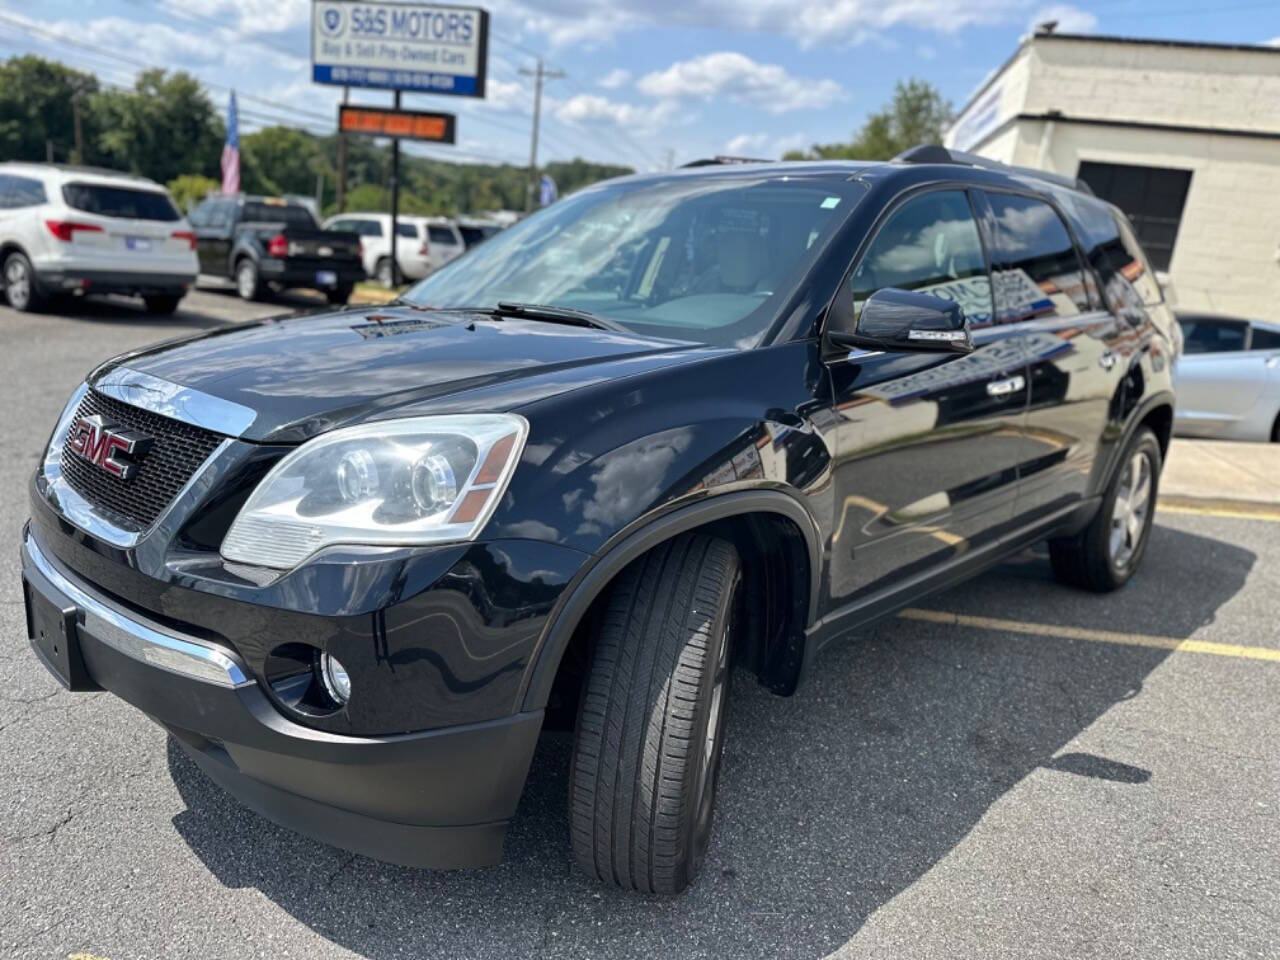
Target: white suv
[375, 244]
[80, 230]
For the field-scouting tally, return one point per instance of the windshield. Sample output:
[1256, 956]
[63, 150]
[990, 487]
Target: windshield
[702, 259]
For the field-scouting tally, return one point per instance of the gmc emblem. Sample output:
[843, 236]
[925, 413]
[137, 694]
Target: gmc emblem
[105, 445]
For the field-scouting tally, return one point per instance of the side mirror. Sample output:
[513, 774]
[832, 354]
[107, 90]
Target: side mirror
[894, 319]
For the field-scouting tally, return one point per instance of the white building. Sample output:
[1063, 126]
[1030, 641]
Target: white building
[1184, 137]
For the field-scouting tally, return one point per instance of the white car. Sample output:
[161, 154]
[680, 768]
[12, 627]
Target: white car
[375, 244]
[82, 230]
[445, 240]
[1228, 378]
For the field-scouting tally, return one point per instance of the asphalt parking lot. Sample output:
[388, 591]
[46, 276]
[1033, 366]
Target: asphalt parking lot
[1018, 769]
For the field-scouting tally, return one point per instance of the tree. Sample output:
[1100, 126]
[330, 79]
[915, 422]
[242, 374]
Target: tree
[164, 127]
[916, 114]
[36, 108]
[279, 160]
[190, 188]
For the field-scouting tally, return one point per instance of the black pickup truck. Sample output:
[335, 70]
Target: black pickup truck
[265, 243]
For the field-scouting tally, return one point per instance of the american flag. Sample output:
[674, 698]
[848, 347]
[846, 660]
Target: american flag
[231, 151]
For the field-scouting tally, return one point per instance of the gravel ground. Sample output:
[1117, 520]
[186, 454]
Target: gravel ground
[933, 790]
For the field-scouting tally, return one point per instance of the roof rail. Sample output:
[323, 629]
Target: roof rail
[934, 153]
[721, 160]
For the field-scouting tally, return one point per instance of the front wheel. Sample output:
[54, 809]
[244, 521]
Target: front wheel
[1105, 554]
[651, 719]
[338, 296]
[20, 284]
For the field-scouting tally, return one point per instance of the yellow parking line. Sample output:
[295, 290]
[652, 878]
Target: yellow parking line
[1094, 636]
[1217, 508]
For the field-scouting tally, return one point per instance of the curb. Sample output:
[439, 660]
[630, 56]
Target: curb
[1219, 506]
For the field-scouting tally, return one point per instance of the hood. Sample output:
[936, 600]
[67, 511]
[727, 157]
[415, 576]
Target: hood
[308, 374]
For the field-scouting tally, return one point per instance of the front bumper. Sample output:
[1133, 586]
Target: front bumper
[441, 798]
[69, 278]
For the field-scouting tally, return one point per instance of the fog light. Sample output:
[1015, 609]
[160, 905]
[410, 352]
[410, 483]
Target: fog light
[337, 684]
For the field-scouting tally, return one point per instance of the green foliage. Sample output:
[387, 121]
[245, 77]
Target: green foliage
[36, 106]
[190, 188]
[167, 128]
[917, 114]
[164, 127]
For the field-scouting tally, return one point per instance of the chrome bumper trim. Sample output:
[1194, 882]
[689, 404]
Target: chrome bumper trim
[175, 401]
[138, 639]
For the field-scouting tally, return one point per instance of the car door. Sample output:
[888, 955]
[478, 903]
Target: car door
[1264, 341]
[927, 445]
[212, 222]
[1077, 350]
[1220, 381]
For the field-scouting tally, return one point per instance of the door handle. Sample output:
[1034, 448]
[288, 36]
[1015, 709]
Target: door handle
[1107, 360]
[1002, 388]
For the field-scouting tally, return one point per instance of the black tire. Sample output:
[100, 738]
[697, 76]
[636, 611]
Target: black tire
[1275, 430]
[1091, 559]
[19, 284]
[382, 273]
[338, 296]
[650, 722]
[248, 283]
[162, 305]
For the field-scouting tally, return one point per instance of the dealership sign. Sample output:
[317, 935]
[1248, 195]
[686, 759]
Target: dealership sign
[424, 48]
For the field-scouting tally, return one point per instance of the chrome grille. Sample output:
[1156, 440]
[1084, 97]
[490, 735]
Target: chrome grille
[178, 450]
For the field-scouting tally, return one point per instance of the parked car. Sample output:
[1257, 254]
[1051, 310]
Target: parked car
[356, 564]
[83, 230]
[1229, 378]
[476, 230]
[268, 243]
[375, 244]
[445, 240]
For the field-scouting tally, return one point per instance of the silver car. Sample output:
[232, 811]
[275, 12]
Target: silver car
[1228, 378]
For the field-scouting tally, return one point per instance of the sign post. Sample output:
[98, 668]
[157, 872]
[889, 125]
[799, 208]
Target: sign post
[419, 47]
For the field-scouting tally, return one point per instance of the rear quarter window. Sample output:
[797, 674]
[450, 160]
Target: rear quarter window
[123, 202]
[1264, 339]
[16, 192]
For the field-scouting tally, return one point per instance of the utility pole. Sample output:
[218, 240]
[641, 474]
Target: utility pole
[539, 74]
[79, 127]
[342, 161]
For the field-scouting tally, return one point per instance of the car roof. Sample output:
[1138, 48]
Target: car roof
[77, 173]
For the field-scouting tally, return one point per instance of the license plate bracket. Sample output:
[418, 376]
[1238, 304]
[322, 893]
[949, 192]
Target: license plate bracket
[52, 630]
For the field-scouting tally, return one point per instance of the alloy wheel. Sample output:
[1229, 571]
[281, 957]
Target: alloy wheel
[17, 283]
[1129, 514]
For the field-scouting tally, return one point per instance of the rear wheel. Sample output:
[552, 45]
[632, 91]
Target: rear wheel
[338, 296]
[1104, 555]
[651, 718]
[248, 283]
[162, 304]
[1275, 430]
[20, 283]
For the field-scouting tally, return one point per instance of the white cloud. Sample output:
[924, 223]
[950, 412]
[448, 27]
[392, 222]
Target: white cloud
[615, 78]
[1070, 19]
[589, 109]
[249, 16]
[1273, 42]
[742, 80]
[926, 52]
[764, 145]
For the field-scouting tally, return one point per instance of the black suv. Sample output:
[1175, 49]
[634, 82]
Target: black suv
[355, 563]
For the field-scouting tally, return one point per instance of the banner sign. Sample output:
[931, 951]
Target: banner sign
[406, 124]
[419, 47]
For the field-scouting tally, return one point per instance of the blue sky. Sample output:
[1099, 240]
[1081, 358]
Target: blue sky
[647, 80]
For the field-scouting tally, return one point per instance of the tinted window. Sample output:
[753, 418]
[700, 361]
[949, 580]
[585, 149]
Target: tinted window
[288, 213]
[473, 235]
[1212, 336]
[1037, 272]
[1138, 269]
[441, 235]
[929, 245]
[407, 230]
[20, 192]
[108, 201]
[1265, 339]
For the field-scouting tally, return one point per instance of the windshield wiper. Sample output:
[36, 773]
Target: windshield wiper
[554, 314]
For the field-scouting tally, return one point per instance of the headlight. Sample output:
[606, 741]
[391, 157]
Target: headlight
[399, 482]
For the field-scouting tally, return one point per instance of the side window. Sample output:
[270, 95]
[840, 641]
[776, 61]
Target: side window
[1139, 269]
[6, 185]
[1213, 336]
[930, 245]
[200, 215]
[1264, 339]
[441, 235]
[1036, 270]
[25, 192]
